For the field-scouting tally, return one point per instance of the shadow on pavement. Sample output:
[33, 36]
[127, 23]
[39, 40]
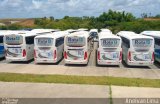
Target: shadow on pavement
[138, 67]
[21, 62]
[157, 64]
[3, 58]
[57, 63]
[76, 65]
[113, 66]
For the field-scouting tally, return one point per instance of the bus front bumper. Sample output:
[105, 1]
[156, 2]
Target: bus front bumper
[102, 62]
[22, 59]
[76, 62]
[45, 60]
[140, 63]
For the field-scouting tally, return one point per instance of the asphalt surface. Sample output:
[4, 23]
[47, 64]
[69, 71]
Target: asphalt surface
[147, 72]
[44, 93]
[91, 63]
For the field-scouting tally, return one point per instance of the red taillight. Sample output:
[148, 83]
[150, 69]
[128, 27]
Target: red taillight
[24, 53]
[153, 56]
[98, 55]
[65, 54]
[85, 55]
[55, 54]
[120, 56]
[129, 56]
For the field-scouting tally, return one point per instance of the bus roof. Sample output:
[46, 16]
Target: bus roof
[53, 35]
[131, 35]
[3, 32]
[82, 29]
[28, 33]
[151, 33]
[94, 30]
[125, 33]
[80, 33]
[8, 32]
[71, 30]
[107, 35]
[44, 30]
[106, 30]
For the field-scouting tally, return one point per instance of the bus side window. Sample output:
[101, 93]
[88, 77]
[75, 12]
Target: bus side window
[62, 40]
[128, 43]
[157, 41]
[91, 36]
[59, 41]
[30, 40]
[125, 42]
[1, 39]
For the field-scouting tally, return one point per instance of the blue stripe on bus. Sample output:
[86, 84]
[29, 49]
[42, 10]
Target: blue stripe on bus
[1, 49]
[157, 53]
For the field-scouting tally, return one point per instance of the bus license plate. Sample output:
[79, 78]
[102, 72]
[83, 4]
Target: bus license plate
[115, 55]
[80, 53]
[146, 57]
[50, 55]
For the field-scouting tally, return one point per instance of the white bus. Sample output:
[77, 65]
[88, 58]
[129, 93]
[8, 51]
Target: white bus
[156, 36]
[19, 46]
[49, 47]
[109, 50]
[2, 34]
[137, 49]
[77, 48]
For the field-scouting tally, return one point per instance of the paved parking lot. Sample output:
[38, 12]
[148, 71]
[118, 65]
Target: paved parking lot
[150, 72]
[36, 93]
[43, 93]
[91, 63]
[47, 90]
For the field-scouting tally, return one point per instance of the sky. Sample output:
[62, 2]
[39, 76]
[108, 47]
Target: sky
[60, 8]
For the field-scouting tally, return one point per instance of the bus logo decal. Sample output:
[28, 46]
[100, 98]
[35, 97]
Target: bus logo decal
[73, 56]
[42, 56]
[106, 58]
[11, 53]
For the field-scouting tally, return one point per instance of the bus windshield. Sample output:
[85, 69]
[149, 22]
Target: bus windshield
[142, 42]
[14, 39]
[94, 34]
[44, 41]
[75, 41]
[1, 39]
[110, 42]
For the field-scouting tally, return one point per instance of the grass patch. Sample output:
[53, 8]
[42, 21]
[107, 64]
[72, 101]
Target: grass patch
[68, 79]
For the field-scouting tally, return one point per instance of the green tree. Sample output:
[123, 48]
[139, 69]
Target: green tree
[51, 18]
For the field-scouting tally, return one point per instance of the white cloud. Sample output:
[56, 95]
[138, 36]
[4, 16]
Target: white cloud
[60, 8]
[37, 4]
[11, 3]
